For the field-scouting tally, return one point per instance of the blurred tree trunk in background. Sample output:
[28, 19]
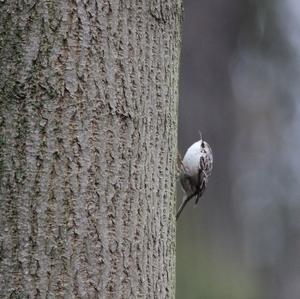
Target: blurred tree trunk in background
[88, 124]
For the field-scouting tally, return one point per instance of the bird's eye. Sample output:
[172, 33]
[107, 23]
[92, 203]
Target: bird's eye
[202, 144]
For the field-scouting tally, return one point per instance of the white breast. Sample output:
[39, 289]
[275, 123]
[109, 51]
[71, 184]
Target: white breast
[191, 159]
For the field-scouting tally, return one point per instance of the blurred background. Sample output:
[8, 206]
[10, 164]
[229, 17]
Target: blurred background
[240, 85]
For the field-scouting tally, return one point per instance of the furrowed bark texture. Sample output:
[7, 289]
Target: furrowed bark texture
[88, 143]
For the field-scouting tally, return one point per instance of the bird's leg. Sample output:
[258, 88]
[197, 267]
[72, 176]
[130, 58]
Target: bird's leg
[180, 167]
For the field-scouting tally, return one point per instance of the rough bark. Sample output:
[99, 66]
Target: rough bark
[88, 123]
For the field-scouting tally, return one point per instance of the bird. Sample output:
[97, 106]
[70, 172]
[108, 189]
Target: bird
[196, 167]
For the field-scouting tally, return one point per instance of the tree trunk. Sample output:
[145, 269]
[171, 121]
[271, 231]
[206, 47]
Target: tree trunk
[88, 124]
